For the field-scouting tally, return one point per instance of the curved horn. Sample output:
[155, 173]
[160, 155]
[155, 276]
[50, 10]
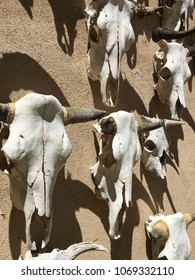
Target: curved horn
[188, 218]
[78, 115]
[165, 33]
[160, 230]
[7, 112]
[141, 11]
[144, 127]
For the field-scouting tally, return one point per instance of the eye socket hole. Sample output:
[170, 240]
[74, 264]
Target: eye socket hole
[108, 125]
[165, 73]
[149, 145]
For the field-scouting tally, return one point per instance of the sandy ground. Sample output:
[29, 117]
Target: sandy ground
[43, 47]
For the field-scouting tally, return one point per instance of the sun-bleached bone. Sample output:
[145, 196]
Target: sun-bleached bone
[172, 72]
[177, 15]
[169, 235]
[119, 150]
[36, 149]
[110, 35]
[69, 254]
[155, 144]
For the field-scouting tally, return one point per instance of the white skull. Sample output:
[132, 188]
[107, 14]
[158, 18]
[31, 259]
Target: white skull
[110, 36]
[119, 151]
[172, 72]
[36, 149]
[155, 144]
[169, 235]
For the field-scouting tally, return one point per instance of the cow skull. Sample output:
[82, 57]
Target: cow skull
[119, 150]
[155, 144]
[110, 35]
[169, 235]
[172, 72]
[36, 149]
[177, 14]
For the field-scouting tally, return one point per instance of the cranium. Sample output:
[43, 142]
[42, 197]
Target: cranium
[110, 36]
[36, 149]
[169, 235]
[172, 72]
[155, 144]
[177, 14]
[69, 254]
[119, 150]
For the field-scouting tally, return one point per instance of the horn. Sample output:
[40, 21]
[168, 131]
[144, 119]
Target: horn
[141, 11]
[188, 218]
[78, 115]
[165, 33]
[173, 122]
[160, 230]
[144, 127]
[7, 112]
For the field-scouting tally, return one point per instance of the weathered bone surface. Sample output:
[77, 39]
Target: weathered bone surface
[169, 235]
[155, 144]
[36, 149]
[173, 72]
[119, 150]
[69, 254]
[177, 15]
[110, 36]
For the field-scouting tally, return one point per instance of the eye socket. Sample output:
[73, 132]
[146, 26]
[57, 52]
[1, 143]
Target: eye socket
[108, 125]
[149, 145]
[165, 73]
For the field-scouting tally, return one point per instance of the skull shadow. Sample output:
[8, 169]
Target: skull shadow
[157, 188]
[122, 248]
[68, 197]
[28, 5]
[128, 99]
[66, 14]
[26, 74]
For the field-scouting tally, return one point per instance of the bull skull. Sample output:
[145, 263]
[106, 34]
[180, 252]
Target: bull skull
[69, 254]
[172, 72]
[177, 14]
[169, 235]
[119, 150]
[36, 149]
[155, 144]
[110, 36]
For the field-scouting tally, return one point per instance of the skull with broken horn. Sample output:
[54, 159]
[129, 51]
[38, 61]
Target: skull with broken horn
[169, 235]
[36, 149]
[155, 144]
[119, 150]
[110, 35]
